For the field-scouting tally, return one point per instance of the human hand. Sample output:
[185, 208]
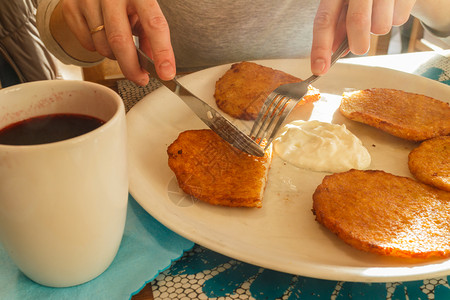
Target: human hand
[122, 19]
[356, 19]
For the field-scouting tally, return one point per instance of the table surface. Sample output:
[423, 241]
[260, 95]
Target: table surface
[408, 62]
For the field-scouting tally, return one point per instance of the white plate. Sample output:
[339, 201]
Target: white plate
[282, 235]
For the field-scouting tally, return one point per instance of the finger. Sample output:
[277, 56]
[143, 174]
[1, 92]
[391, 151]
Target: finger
[359, 16]
[144, 45]
[157, 32]
[341, 28]
[92, 12]
[120, 39]
[382, 15]
[76, 21]
[323, 35]
[402, 10]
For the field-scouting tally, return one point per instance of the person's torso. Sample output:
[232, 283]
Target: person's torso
[210, 32]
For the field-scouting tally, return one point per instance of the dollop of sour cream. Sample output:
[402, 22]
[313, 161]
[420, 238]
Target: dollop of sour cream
[321, 146]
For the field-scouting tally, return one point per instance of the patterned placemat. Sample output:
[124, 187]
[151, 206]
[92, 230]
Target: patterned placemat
[132, 93]
[437, 68]
[204, 274]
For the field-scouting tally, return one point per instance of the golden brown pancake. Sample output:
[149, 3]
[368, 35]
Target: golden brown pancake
[406, 115]
[385, 214]
[430, 162]
[242, 90]
[210, 169]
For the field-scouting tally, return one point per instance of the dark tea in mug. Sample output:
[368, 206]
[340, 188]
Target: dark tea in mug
[48, 129]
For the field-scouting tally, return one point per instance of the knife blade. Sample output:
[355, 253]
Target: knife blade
[211, 117]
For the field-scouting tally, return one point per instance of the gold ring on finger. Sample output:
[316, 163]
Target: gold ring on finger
[97, 29]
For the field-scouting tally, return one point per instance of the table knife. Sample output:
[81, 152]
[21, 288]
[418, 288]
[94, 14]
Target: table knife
[211, 117]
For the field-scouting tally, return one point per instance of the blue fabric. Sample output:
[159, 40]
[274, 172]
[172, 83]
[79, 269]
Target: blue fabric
[231, 278]
[147, 249]
[436, 74]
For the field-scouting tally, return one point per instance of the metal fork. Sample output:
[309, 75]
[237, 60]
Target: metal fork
[279, 104]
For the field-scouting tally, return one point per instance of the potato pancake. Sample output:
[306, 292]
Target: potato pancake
[378, 212]
[430, 162]
[210, 169]
[242, 90]
[406, 115]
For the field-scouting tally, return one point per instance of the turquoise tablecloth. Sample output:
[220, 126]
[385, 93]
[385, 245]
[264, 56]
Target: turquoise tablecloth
[147, 249]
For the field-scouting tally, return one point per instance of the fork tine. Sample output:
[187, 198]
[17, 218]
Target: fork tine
[278, 108]
[266, 106]
[287, 110]
[265, 117]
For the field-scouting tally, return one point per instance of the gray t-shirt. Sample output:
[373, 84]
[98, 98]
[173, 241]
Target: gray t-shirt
[211, 32]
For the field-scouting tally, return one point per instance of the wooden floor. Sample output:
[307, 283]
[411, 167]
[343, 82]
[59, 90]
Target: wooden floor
[145, 294]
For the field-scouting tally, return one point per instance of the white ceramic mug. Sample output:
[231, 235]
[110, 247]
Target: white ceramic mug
[63, 204]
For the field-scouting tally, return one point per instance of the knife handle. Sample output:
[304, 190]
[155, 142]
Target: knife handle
[148, 65]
